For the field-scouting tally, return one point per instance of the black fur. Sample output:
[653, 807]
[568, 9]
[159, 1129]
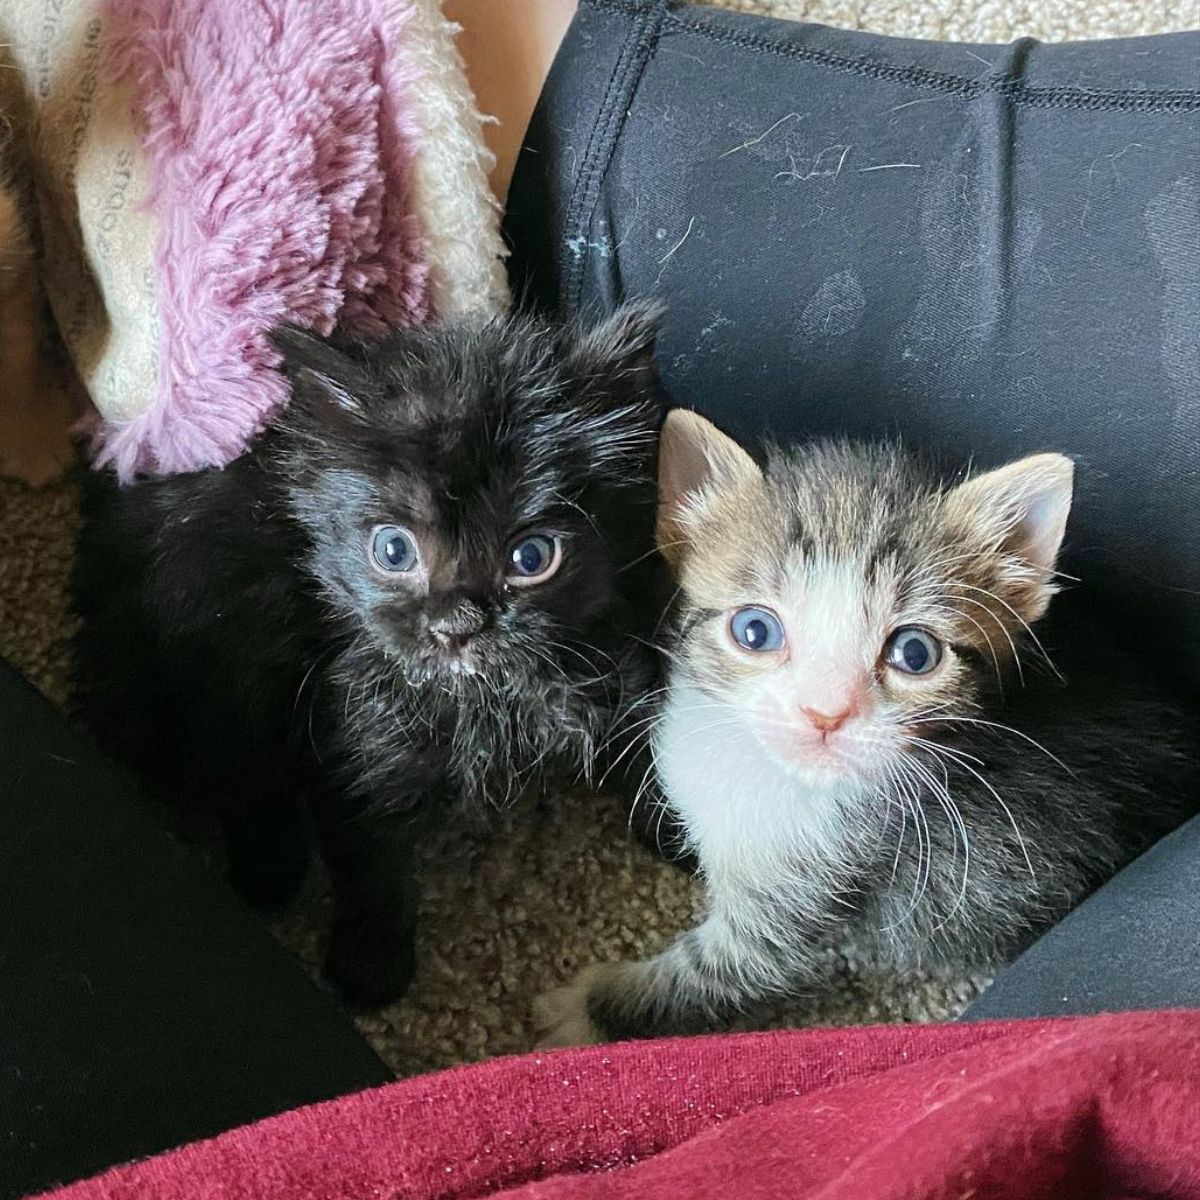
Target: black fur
[239, 648]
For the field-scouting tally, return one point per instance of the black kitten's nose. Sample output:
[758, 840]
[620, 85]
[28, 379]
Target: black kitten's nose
[455, 628]
[447, 639]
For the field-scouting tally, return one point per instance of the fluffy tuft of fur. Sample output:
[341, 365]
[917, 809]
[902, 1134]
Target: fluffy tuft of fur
[243, 646]
[832, 794]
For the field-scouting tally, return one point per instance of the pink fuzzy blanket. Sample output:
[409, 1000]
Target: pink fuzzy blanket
[212, 168]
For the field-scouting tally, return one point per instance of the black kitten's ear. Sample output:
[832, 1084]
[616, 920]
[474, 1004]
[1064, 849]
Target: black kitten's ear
[317, 368]
[616, 355]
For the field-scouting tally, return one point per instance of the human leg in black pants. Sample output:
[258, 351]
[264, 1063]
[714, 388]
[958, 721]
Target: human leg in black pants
[990, 250]
[1134, 944]
[141, 1006]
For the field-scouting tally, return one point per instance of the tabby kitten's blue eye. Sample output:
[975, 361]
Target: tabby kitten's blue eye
[912, 651]
[756, 629]
[533, 559]
[393, 549]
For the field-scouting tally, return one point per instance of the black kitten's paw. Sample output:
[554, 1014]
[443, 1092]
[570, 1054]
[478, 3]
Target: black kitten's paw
[371, 960]
[268, 851]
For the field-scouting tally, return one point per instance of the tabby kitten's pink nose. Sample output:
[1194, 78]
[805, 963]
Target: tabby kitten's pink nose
[828, 722]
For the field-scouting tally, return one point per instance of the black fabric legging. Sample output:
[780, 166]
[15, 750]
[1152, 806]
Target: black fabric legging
[988, 249]
[141, 1005]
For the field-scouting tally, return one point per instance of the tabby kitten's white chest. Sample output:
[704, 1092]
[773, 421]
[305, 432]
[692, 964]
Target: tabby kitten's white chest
[745, 814]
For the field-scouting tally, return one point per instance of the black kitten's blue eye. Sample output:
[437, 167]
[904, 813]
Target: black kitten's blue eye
[393, 549]
[912, 651]
[756, 629]
[533, 559]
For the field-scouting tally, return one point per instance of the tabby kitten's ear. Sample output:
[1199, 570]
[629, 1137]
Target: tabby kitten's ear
[317, 369]
[613, 361]
[700, 469]
[1021, 511]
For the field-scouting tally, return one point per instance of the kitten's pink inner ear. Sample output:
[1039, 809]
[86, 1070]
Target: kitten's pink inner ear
[697, 465]
[1028, 502]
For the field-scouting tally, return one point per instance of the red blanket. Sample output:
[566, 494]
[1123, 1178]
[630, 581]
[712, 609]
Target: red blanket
[1105, 1107]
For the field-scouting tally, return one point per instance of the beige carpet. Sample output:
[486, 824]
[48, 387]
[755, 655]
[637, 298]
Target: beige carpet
[987, 20]
[37, 533]
[548, 891]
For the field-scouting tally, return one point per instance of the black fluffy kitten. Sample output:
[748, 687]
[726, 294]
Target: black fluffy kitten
[422, 590]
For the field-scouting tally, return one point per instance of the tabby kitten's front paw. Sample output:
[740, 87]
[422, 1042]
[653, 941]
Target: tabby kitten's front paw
[562, 1016]
[371, 961]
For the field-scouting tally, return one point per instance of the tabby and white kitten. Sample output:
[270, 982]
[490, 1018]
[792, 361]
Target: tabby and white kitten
[863, 740]
[422, 592]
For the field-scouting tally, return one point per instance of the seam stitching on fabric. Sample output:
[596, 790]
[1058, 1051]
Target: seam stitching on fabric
[618, 93]
[1165, 100]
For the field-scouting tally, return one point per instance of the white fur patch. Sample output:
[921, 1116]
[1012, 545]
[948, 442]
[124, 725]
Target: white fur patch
[560, 1016]
[833, 639]
[747, 816]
